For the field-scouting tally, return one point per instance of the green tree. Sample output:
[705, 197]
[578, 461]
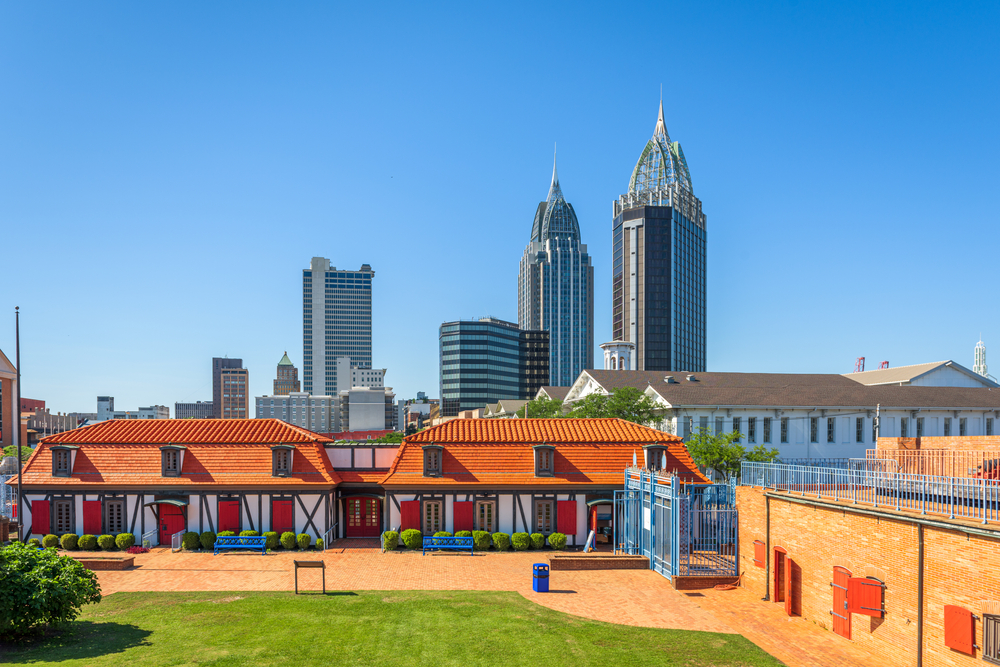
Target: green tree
[12, 451]
[541, 408]
[626, 403]
[395, 436]
[722, 453]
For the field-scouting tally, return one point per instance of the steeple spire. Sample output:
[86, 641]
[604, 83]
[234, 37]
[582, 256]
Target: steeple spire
[661, 126]
[555, 174]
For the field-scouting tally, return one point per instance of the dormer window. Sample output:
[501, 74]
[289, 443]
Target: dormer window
[61, 462]
[281, 460]
[545, 460]
[654, 457]
[171, 459]
[432, 460]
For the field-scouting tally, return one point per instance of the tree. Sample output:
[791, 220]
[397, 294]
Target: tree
[12, 451]
[722, 453]
[541, 408]
[626, 403]
[394, 437]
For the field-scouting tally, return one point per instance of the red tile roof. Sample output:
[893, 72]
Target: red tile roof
[357, 435]
[499, 453]
[361, 476]
[187, 431]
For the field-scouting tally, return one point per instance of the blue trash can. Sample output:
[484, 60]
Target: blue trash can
[540, 578]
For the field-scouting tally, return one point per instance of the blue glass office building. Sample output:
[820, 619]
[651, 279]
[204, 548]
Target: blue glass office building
[659, 261]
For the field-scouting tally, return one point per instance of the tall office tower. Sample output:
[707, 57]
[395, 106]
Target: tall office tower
[488, 360]
[287, 379]
[658, 274]
[555, 287]
[336, 322]
[218, 365]
[235, 394]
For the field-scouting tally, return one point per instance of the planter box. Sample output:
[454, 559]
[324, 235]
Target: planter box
[106, 562]
[597, 562]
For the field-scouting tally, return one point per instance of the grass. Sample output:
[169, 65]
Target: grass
[366, 628]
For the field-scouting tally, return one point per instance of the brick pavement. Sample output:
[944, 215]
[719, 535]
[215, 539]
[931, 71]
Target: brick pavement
[629, 597]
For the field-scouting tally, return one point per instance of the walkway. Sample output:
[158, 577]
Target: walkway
[630, 597]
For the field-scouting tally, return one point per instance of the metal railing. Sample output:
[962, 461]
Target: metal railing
[942, 462]
[176, 541]
[150, 538]
[330, 535]
[954, 497]
[821, 462]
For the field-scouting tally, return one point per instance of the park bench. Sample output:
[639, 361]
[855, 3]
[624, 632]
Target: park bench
[235, 542]
[448, 543]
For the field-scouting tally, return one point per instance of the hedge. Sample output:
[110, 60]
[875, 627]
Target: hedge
[34, 542]
[68, 541]
[288, 540]
[463, 533]
[50, 541]
[319, 544]
[106, 542]
[537, 541]
[412, 538]
[207, 539]
[520, 541]
[501, 541]
[303, 540]
[481, 540]
[87, 543]
[124, 540]
[443, 533]
[249, 533]
[226, 533]
[273, 539]
[390, 540]
[557, 541]
[190, 541]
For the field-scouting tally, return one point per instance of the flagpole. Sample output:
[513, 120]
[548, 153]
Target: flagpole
[17, 416]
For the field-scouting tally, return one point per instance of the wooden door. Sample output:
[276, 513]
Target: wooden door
[229, 516]
[779, 573]
[281, 517]
[171, 521]
[788, 585]
[364, 517]
[841, 617]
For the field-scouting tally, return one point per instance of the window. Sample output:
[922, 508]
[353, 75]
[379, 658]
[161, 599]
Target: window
[859, 429]
[114, 516]
[962, 427]
[718, 426]
[687, 427]
[486, 511]
[433, 519]
[814, 429]
[767, 430]
[784, 430]
[281, 461]
[831, 433]
[904, 427]
[544, 461]
[62, 511]
[432, 461]
[60, 462]
[738, 427]
[991, 638]
[171, 462]
[947, 427]
[989, 426]
[920, 427]
[544, 516]
[703, 424]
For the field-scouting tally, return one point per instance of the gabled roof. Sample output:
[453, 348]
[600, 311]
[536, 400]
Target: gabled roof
[907, 374]
[285, 361]
[554, 393]
[499, 453]
[188, 431]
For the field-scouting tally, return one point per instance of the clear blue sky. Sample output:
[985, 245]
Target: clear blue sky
[168, 169]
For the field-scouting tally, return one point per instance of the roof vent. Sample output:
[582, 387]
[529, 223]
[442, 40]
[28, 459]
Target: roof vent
[669, 379]
[692, 378]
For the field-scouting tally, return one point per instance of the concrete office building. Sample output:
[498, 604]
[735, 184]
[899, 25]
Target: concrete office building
[658, 271]
[196, 410]
[336, 322]
[316, 413]
[235, 394]
[106, 410]
[367, 409]
[218, 365]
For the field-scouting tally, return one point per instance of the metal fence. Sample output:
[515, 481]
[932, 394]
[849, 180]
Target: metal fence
[684, 529]
[979, 464]
[176, 541]
[151, 538]
[954, 497]
[8, 493]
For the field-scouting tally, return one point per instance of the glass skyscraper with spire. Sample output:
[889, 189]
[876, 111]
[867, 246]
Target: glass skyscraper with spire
[555, 290]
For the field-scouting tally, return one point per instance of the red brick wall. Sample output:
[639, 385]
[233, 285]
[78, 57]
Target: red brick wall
[959, 569]
[956, 443]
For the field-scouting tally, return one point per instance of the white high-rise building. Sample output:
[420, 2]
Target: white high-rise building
[980, 361]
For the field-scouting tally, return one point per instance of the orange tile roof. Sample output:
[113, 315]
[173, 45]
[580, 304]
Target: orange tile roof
[498, 453]
[187, 431]
[361, 476]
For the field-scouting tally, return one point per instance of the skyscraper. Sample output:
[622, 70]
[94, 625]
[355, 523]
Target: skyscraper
[287, 378]
[336, 322]
[220, 364]
[555, 288]
[658, 272]
[979, 365]
[235, 394]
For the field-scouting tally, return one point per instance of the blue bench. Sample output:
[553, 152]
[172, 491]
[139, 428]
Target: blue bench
[224, 543]
[448, 543]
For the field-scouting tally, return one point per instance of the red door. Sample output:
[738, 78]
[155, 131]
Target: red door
[171, 521]
[780, 572]
[364, 517]
[281, 517]
[841, 617]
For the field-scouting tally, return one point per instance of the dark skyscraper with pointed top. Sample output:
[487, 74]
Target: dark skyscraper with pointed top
[555, 289]
[658, 272]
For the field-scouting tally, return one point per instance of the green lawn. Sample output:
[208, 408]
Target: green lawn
[399, 628]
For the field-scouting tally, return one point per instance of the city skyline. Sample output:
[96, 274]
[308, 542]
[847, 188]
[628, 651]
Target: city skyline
[261, 150]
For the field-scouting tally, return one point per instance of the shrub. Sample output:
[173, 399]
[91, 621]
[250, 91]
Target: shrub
[288, 540]
[520, 541]
[557, 541]
[412, 538]
[481, 540]
[443, 533]
[190, 541]
[124, 540]
[463, 533]
[207, 539]
[34, 542]
[226, 533]
[106, 542]
[87, 543]
[50, 541]
[501, 541]
[390, 540]
[273, 539]
[319, 544]
[68, 541]
[249, 533]
[137, 550]
[41, 588]
[303, 540]
[537, 541]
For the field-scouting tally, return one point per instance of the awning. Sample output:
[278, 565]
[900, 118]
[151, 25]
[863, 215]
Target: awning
[600, 501]
[168, 501]
[362, 495]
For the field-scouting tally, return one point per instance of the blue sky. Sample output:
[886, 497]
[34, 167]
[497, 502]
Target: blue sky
[168, 169]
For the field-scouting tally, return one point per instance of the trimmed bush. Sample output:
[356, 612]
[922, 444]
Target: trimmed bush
[273, 539]
[303, 540]
[412, 538]
[390, 540]
[68, 541]
[481, 540]
[106, 542]
[124, 540]
[34, 542]
[207, 539]
[443, 533]
[190, 541]
[537, 541]
[520, 541]
[249, 533]
[557, 541]
[463, 533]
[50, 541]
[319, 544]
[288, 540]
[501, 541]
[226, 533]
[87, 543]
[137, 550]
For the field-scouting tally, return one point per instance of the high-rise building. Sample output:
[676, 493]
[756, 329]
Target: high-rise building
[218, 365]
[555, 288]
[287, 379]
[336, 322]
[980, 360]
[658, 272]
[488, 360]
[196, 410]
[235, 394]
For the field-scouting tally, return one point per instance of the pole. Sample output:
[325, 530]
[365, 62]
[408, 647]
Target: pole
[17, 418]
